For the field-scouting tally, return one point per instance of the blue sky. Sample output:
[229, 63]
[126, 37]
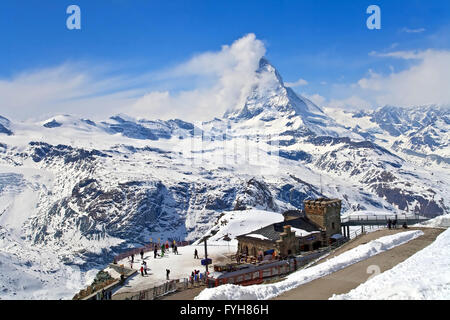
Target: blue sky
[325, 43]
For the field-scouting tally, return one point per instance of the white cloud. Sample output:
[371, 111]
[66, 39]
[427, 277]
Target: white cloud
[407, 55]
[418, 30]
[300, 82]
[231, 72]
[425, 81]
[63, 89]
[316, 99]
[353, 102]
[220, 81]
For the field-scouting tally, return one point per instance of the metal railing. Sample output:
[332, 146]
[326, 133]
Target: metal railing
[165, 289]
[382, 219]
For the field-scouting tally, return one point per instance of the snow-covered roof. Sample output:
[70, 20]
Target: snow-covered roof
[259, 236]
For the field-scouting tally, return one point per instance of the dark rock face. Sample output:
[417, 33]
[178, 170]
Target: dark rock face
[44, 151]
[295, 155]
[4, 126]
[256, 194]
[5, 130]
[294, 195]
[52, 124]
[403, 199]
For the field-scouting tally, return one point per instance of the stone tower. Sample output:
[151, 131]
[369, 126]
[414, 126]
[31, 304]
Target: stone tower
[326, 213]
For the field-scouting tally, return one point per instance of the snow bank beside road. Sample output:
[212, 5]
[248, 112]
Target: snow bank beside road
[263, 292]
[438, 222]
[424, 276]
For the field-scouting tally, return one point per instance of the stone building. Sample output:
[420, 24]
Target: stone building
[300, 231]
[326, 213]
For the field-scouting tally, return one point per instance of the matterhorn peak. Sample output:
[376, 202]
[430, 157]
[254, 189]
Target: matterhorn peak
[266, 67]
[269, 95]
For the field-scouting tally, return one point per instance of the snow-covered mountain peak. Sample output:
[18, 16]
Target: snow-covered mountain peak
[271, 104]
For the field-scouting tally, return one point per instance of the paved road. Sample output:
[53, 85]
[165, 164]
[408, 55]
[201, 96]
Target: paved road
[351, 277]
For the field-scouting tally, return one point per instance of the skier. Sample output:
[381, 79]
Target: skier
[176, 249]
[132, 257]
[162, 251]
[167, 274]
[142, 254]
[196, 254]
[142, 270]
[155, 252]
[395, 223]
[389, 223]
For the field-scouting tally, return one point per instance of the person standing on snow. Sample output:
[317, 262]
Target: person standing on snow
[145, 267]
[142, 270]
[196, 254]
[167, 274]
[155, 252]
[142, 254]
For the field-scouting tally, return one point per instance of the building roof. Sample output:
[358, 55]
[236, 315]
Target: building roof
[322, 201]
[272, 232]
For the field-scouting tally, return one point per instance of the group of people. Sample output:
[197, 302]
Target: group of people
[164, 249]
[392, 224]
[196, 276]
[104, 295]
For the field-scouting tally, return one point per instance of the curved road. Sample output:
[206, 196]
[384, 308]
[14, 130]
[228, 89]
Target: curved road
[351, 277]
